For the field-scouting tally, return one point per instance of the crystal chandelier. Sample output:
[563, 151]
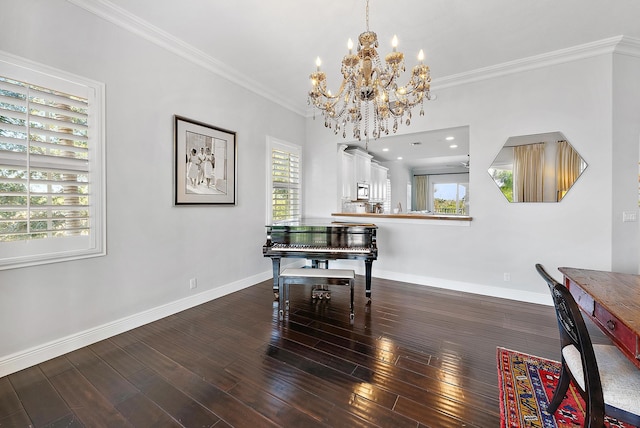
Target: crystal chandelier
[369, 91]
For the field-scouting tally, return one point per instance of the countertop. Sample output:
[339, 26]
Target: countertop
[417, 216]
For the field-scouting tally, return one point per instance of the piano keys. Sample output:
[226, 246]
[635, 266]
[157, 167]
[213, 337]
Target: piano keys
[321, 241]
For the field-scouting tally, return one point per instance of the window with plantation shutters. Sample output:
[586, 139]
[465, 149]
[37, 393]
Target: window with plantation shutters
[285, 181]
[50, 167]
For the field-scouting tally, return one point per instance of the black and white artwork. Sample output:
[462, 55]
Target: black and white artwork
[205, 163]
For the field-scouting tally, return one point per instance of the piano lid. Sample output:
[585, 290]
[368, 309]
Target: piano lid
[311, 223]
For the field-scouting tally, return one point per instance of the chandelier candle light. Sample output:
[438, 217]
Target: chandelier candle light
[367, 87]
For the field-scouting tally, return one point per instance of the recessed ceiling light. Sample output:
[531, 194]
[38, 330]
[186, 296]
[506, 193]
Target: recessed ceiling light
[399, 157]
[385, 149]
[450, 138]
[453, 146]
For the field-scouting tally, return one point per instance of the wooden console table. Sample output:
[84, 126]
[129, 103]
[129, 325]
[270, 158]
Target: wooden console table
[612, 301]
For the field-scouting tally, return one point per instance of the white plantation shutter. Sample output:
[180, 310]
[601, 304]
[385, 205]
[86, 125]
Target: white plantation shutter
[50, 169]
[285, 183]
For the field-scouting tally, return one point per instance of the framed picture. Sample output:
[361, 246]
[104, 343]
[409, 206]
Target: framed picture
[205, 163]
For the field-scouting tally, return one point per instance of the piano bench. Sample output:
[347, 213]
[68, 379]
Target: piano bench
[312, 277]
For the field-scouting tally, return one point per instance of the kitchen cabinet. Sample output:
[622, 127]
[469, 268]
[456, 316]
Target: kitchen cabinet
[362, 165]
[347, 177]
[378, 187]
[356, 166]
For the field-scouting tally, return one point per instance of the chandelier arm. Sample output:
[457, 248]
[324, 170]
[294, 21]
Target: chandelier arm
[332, 111]
[414, 96]
[327, 102]
[326, 94]
[342, 110]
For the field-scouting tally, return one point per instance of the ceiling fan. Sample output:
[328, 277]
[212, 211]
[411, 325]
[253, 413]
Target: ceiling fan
[465, 164]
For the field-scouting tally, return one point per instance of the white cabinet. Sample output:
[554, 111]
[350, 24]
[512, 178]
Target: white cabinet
[356, 166]
[347, 177]
[362, 166]
[378, 182]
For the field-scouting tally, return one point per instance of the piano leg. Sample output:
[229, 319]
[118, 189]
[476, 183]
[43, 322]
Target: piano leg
[367, 268]
[276, 277]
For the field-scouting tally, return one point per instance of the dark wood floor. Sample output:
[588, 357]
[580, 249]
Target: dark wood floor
[416, 357]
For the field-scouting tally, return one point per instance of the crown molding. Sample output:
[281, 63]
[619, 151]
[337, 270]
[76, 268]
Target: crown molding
[618, 44]
[622, 45]
[629, 46]
[122, 18]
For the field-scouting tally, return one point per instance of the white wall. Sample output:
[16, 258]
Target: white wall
[626, 136]
[153, 247]
[574, 98]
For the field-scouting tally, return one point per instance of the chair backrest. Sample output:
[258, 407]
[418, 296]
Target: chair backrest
[573, 331]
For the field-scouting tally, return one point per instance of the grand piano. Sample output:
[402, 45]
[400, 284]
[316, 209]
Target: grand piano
[321, 241]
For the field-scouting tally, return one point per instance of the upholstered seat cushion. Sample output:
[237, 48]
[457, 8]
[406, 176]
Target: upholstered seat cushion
[619, 377]
[318, 273]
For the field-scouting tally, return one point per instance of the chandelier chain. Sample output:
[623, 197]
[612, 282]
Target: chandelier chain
[367, 11]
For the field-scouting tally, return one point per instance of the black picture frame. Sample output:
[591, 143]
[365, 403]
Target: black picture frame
[205, 163]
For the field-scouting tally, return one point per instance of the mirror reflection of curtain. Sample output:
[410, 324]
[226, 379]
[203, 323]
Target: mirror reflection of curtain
[568, 167]
[528, 170]
[421, 192]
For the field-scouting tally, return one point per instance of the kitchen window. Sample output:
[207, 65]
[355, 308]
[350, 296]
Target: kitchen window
[442, 193]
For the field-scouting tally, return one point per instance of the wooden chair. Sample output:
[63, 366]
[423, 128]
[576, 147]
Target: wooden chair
[608, 382]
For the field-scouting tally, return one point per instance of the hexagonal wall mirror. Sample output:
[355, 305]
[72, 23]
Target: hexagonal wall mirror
[537, 168]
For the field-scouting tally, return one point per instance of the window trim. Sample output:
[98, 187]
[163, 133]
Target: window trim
[274, 143]
[19, 254]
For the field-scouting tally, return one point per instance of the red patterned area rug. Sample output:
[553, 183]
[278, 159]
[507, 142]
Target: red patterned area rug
[526, 387]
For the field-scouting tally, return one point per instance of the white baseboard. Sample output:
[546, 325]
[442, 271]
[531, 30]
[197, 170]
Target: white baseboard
[468, 287]
[38, 354]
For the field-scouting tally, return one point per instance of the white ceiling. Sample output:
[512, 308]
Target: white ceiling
[271, 45]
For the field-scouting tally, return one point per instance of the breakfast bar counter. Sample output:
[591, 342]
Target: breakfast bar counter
[411, 216]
